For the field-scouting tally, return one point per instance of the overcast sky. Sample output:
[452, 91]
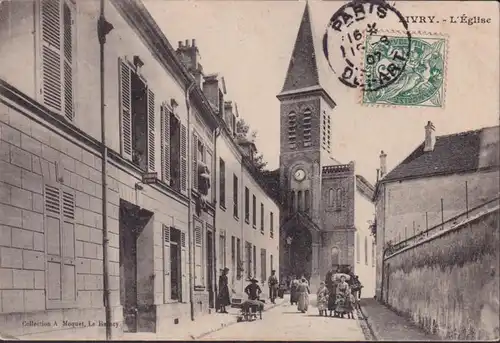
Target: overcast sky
[250, 43]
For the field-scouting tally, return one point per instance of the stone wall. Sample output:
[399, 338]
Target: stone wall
[449, 285]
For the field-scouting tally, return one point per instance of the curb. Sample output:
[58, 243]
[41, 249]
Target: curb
[366, 326]
[232, 322]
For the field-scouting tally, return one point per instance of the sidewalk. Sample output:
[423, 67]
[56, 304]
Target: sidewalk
[386, 325]
[200, 327]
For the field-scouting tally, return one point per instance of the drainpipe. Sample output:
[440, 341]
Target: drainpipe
[190, 219]
[103, 28]
[242, 215]
[214, 192]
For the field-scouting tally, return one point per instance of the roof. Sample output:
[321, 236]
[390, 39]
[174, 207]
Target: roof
[299, 218]
[455, 153]
[308, 68]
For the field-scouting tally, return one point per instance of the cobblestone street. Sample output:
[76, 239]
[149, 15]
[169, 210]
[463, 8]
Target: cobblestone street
[286, 323]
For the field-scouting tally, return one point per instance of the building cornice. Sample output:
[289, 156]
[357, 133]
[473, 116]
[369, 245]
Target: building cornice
[309, 91]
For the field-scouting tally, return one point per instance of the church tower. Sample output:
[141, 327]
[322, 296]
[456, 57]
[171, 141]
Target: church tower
[305, 147]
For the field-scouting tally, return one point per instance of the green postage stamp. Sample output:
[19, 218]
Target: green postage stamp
[422, 80]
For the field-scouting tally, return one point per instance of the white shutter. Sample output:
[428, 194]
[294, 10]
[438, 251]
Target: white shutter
[184, 175]
[68, 61]
[198, 256]
[165, 144]
[166, 264]
[151, 130]
[195, 161]
[68, 248]
[125, 109]
[184, 270]
[50, 23]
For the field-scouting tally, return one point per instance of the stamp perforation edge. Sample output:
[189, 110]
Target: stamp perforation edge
[403, 34]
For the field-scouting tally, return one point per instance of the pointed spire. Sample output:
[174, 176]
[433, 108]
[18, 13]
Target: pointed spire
[303, 68]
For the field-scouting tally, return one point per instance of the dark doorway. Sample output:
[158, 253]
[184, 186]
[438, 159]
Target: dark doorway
[387, 278]
[210, 269]
[300, 251]
[132, 221]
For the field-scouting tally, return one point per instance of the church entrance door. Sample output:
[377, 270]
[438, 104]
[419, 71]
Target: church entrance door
[299, 243]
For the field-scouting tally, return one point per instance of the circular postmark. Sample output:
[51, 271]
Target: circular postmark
[356, 51]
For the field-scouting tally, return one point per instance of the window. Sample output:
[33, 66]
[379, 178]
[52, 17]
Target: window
[173, 150]
[292, 201]
[198, 254]
[254, 264]
[247, 205]
[173, 254]
[366, 250]
[271, 262]
[338, 199]
[254, 214]
[248, 250]
[292, 130]
[233, 123]
[238, 257]
[235, 196]
[137, 110]
[335, 256]
[261, 217]
[271, 224]
[222, 251]
[358, 248]
[222, 183]
[57, 52]
[307, 127]
[263, 264]
[60, 271]
[233, 256]
[330, 197]
[307, 201]
[300, 205]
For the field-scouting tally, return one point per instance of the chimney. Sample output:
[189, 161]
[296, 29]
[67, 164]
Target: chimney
[430, 137]
[190, 57]
[383, 164]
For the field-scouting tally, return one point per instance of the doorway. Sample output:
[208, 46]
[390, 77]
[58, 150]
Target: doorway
[210, 269]
[300, 251]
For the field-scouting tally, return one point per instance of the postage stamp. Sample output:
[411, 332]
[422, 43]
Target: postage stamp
[420, 83]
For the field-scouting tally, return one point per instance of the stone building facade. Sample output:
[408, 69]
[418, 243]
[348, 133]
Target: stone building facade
[147, 208]
[444, 177]
[325, 223]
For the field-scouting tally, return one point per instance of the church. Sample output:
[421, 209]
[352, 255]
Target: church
[327, 207]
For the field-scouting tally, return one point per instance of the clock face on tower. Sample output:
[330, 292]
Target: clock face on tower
[299, 175]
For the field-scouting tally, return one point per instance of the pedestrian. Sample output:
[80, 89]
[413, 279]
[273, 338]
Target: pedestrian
[331, 286]
[294, 296]
[224, 299]
[273, 285]
[253, 290]
[303, 290]
[322, 298]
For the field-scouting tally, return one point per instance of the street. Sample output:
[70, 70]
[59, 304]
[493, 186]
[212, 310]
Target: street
[286, 323]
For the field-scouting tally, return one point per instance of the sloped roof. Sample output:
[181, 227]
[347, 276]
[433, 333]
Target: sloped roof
[460, 152]
[299, 218]
[308, 68]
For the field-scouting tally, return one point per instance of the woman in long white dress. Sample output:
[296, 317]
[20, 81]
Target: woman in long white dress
[303, 290]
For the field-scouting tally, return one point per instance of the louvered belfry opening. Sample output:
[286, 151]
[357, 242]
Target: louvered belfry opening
[136, 225]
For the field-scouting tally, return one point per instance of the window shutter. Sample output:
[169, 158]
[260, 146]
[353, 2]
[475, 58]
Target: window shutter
[183, 158]
[184, 270]
[195, 161]
[50, 18]
[125, 109]
[68, 62]
[151, 130]
[165, 146]
[166, 264]
[60, 236]
[198, 257]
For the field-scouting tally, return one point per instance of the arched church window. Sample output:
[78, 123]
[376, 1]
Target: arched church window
[366, 250]
[335, 256]
[300, 205]
[292, 201]
[307, 201]
[306, 122]
[292, 129]
[338, 199]
[330, 197]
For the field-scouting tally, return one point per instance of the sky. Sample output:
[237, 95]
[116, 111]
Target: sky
[250, 44]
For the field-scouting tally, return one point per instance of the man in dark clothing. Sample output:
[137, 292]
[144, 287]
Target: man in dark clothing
[253, 290]
[273, 285]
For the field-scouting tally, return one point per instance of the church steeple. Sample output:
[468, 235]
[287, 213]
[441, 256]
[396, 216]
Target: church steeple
[303, 68]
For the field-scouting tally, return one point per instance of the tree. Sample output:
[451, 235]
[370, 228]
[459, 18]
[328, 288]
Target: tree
[243, 131]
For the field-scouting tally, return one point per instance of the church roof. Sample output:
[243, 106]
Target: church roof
[455, 153]
[299, 218]
[308, 69]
